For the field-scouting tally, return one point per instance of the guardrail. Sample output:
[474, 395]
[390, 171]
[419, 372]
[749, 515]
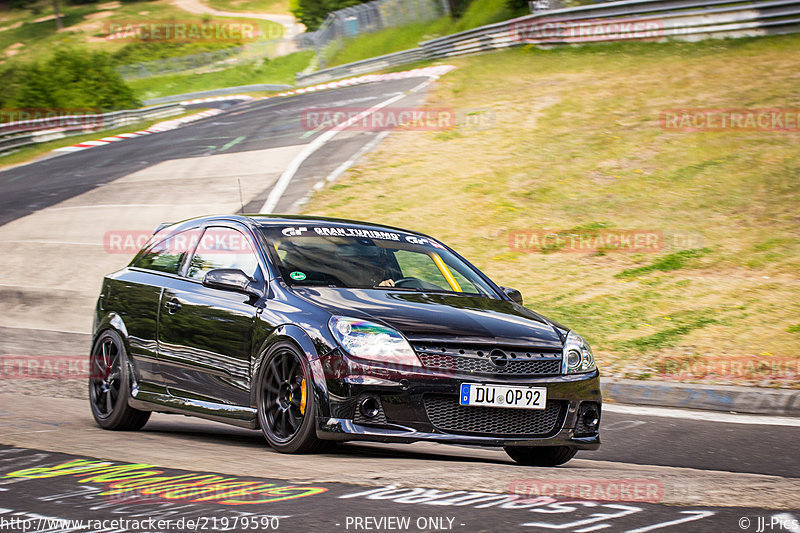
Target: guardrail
[15, 135]
[652, 20]
[218, 92]
[362, 67]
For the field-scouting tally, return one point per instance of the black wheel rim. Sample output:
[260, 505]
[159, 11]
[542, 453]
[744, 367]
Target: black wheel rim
[105, 372]
[282, 396]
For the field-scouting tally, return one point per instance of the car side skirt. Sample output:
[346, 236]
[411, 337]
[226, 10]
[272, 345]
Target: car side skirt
[245, 417]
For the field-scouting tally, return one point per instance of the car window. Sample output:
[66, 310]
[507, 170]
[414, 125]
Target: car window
[424, 268]
[223, 248]
[168, 255]
[361, 258]
[420, 266]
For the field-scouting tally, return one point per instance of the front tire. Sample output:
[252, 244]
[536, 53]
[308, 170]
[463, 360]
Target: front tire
[110, 386]
[286, 404]
[540, 455]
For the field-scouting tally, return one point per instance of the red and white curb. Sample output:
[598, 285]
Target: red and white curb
[156, 128]
[431, 72]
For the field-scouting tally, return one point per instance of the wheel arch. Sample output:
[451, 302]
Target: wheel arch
[301, 340]
[111, 321]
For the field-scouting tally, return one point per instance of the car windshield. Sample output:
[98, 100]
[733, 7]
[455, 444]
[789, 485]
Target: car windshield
[349, 257]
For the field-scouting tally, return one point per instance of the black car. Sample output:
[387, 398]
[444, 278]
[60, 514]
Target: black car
[317, 330]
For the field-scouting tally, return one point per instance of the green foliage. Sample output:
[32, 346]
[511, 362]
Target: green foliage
[141, 51]
[520, 6]
[313, 12]
[669, 262]
[279, 70]
[70, 78]
[482, 12]
[389, 40]
[669, 336]
[467, 15]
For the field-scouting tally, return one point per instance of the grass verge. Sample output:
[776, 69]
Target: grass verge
[280, 70]
[279, 7]
[573, 140]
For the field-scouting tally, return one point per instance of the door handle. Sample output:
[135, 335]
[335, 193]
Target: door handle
[173, 306]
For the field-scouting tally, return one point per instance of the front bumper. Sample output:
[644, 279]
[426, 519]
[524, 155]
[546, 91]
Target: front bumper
[342, 429]
[405, 409]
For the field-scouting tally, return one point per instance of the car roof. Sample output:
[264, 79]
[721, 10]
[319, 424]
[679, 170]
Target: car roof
[282, 220]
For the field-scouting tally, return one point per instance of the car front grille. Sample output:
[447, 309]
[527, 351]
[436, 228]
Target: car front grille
[447, 415]
[493, 360]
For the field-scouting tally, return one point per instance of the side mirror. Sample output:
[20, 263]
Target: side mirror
[230, 279]
[514, 294]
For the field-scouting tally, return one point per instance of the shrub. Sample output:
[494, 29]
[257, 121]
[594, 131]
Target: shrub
[70, 78]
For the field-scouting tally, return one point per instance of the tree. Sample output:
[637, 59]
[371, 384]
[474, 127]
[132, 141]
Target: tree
[313, 12]
[57, 12]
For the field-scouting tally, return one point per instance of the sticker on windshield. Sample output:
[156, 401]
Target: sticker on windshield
[297, 276]
[336, 231]
[357, 232]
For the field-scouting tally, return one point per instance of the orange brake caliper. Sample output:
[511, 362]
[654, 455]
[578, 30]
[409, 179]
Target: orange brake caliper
[303, 397]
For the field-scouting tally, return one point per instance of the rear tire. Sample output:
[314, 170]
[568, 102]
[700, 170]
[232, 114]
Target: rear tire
[110, 385]
[286, 403]
[540, 455]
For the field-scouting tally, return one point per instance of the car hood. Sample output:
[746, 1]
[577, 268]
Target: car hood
[439, 316]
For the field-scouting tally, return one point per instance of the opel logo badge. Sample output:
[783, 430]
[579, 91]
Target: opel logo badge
[498, 358]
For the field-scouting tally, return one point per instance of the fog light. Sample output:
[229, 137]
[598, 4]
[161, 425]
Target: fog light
[369, 407]
[590, 418]
[588, 423]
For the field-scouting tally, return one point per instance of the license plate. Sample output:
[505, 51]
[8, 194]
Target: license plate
[503, 396]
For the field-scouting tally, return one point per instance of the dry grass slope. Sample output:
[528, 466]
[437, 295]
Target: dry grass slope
[577, 145]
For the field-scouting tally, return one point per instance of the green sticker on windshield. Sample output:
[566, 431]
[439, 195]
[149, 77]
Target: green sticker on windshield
[297, 276]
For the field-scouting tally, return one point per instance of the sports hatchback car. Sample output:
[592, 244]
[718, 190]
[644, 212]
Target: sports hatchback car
[317, 330]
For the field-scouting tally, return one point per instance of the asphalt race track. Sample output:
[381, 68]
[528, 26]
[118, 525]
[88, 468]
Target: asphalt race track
[247, 127]
[461, 487]
[696, 471]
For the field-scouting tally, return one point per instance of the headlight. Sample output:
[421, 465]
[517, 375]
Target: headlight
[368, 340]
[577, 355]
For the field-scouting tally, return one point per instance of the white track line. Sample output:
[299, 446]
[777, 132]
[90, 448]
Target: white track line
[338, 171]
[706, 416]
[283, 182]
